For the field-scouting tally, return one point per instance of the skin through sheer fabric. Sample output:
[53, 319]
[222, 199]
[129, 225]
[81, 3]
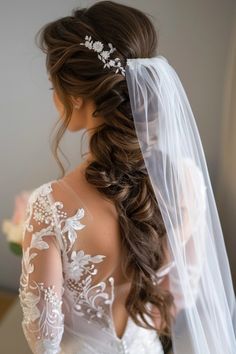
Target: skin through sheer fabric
[70, 249]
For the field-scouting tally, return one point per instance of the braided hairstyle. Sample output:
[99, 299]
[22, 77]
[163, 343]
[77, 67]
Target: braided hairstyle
[118, 170]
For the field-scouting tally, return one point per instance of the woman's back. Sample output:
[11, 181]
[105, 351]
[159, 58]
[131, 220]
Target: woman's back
[72, 243]
[100, 237]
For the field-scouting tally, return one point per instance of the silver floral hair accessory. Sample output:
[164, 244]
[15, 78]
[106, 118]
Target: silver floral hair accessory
[104, 55]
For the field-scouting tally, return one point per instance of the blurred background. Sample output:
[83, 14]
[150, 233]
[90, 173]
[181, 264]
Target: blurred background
[198, 37]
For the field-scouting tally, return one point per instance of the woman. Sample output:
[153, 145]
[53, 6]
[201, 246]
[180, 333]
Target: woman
[97, 274]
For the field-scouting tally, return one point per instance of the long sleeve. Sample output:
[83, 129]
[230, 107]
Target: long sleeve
[41, 280]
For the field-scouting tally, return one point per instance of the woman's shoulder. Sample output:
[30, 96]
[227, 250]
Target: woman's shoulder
[76, 183]
[80, 209]
[102, 217]
[64, 195]
[74, 191]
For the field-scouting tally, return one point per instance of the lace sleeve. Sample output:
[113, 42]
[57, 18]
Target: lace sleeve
[41, 280]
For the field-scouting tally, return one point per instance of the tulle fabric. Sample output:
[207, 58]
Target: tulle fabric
[199, 277]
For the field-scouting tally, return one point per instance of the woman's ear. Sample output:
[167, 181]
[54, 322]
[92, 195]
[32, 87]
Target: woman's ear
[77, 102]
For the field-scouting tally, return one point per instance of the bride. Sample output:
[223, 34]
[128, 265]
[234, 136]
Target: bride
[125, 253]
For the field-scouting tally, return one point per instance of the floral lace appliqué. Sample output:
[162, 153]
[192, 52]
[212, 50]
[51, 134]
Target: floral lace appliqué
[92, 301]
[41, 305]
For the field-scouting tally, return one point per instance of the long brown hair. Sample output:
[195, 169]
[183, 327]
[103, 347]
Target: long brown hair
[118, 169]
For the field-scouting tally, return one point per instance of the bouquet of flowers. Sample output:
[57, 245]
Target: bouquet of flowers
[13, 228]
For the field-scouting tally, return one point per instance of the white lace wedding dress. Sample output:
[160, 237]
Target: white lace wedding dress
[68, 286]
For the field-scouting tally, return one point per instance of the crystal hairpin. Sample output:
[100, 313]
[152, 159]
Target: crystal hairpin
[104, 55]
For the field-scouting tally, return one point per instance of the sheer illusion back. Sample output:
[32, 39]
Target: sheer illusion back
[72, 290]
[101, 238]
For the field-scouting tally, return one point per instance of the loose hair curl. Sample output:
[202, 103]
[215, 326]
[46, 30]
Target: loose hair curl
[118, 170]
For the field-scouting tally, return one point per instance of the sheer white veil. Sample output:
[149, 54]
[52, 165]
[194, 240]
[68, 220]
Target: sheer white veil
[199, 273]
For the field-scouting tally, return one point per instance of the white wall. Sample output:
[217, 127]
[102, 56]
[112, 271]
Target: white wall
[226, 176]
[194, 36]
